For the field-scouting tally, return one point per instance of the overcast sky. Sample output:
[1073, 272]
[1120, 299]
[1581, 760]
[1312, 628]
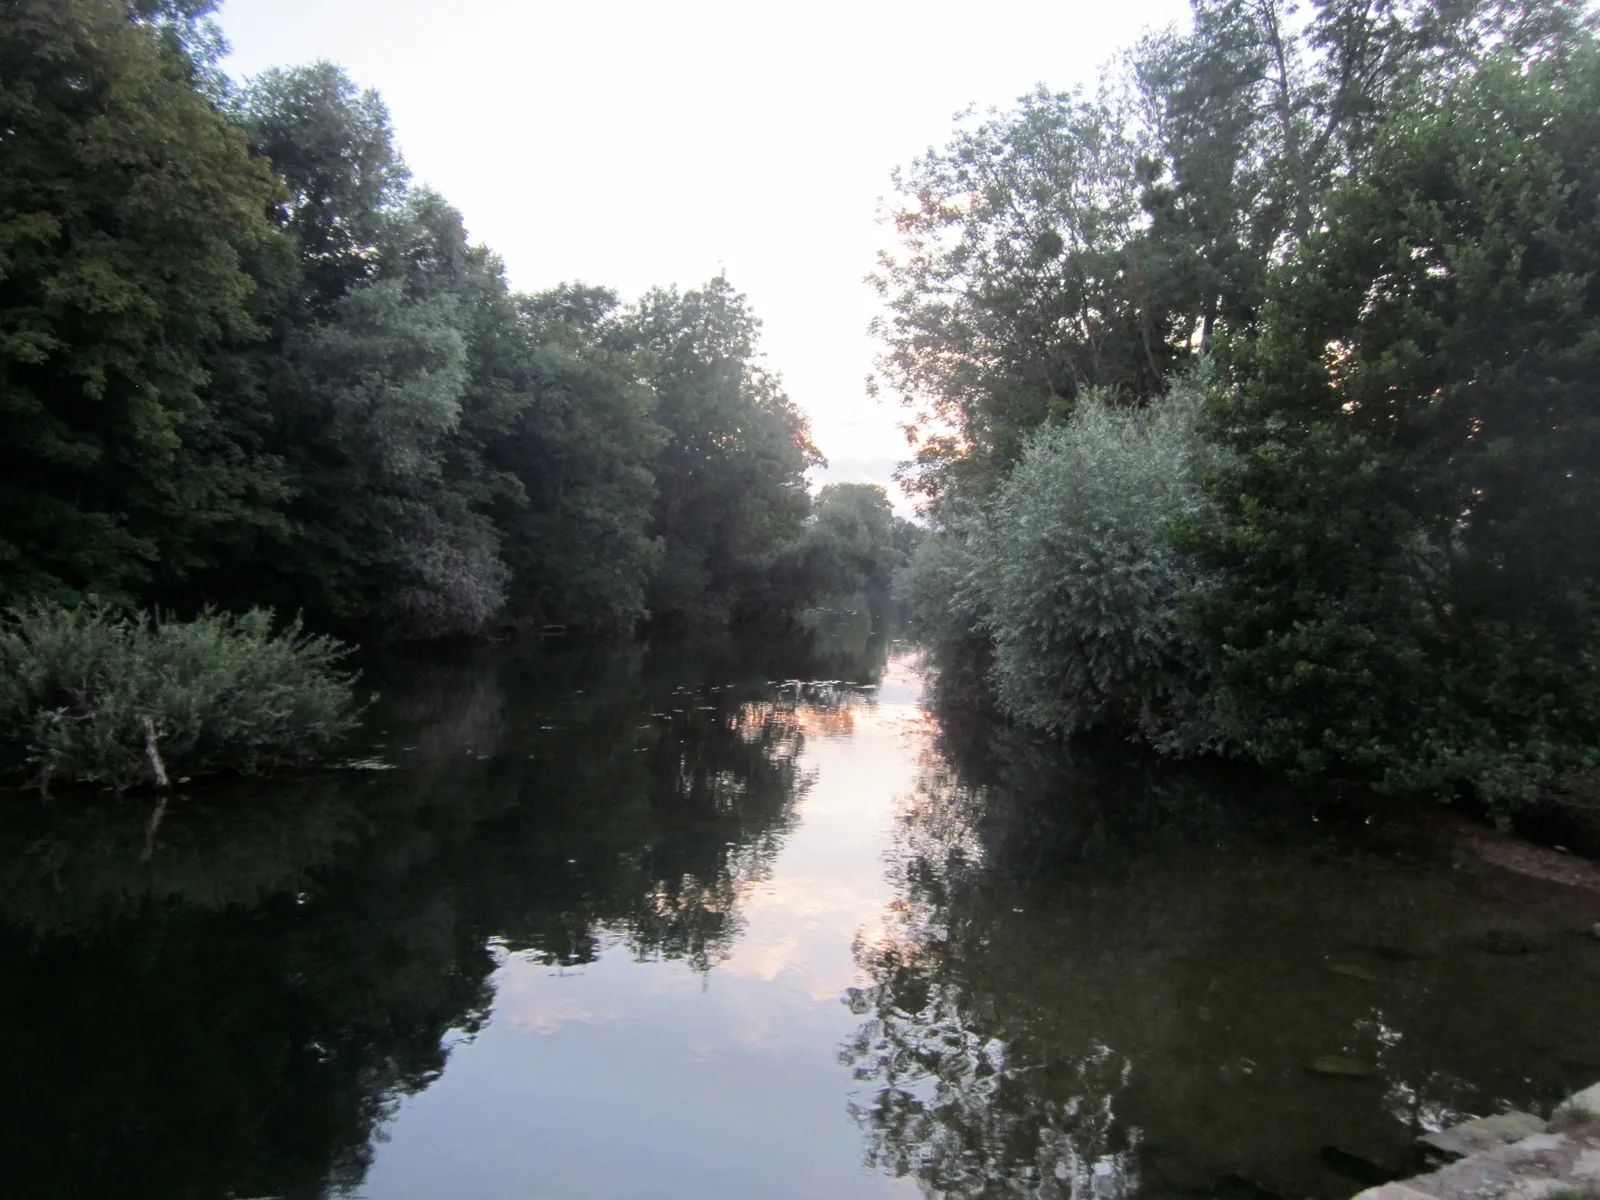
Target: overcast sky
[632, 144]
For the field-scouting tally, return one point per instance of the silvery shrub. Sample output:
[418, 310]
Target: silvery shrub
[1075, 580]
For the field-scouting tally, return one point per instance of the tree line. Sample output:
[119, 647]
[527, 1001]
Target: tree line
[245, 361]
[1253, 393]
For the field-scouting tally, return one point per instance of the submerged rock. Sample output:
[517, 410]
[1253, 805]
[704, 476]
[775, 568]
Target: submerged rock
[1507, 941]
[1237, 1186]
[1392, 953]
[1483, 1133]
[1337, 1066]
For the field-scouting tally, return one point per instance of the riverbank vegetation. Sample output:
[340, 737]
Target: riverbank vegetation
[91, 696]
[246, 364]
[1253, 394]
[245, 361]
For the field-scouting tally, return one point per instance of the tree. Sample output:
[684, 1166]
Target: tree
[1075, 580]
[1257, 110]
[1098, 240]
[1410, 553]
[1010, 291]
[332, 145]
[578, 537]
[131, 205]
[851, 540]
[378, 377]
[730, 476]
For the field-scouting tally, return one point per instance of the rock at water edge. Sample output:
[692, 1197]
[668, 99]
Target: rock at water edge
[1484, 1133]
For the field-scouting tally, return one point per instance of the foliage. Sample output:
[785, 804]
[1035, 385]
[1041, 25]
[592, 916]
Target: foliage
[1008, 292]
[244, 361]
[854, 542]
[1076, 581]
[130, 205]
[1410, 556]
[1380, 218]
[944, 610]
[578, 538]
[78, 686]
[730, 475]
[332, 145]
[380, 377]
[1098, 238]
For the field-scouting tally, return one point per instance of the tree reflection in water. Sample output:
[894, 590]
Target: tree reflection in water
[234, 1003]
[1103, 977]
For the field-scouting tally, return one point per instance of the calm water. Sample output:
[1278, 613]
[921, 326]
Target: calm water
[721, 921]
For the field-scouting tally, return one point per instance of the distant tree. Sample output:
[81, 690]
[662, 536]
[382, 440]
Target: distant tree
[730, 475]
[850, 539]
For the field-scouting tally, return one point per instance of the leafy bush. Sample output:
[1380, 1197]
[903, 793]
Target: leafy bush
[935, 588]
[90, 695]
[1079, 585]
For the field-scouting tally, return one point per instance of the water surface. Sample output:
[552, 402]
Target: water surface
[756, 920]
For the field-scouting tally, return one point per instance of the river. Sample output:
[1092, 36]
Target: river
[723, 919]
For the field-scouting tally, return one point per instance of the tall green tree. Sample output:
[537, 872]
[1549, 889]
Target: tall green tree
[378, 376]
[1010, 291]
[1097, 239]
[130, 206]
[732, 497]
[1411, 553]
[578, 537]
[1259, 106]
[332, 145]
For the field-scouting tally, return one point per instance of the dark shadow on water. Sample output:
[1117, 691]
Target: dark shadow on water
[1113, 977]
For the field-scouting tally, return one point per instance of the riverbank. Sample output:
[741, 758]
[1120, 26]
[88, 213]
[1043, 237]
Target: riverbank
[1514, 1156]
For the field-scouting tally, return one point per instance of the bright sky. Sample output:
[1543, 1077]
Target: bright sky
[632, 144]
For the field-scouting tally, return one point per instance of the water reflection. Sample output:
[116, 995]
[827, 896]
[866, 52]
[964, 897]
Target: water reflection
[1104, 978]
[232, 1000]
[577, 921]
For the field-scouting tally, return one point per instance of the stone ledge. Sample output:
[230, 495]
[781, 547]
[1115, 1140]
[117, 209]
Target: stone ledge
[1497, 1164]
[1480, 1134]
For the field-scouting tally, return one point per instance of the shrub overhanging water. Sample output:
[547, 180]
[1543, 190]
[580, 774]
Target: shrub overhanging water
[90, 695]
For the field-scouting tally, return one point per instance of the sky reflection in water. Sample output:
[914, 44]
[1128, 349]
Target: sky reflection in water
[631, 1075]
[652, 921]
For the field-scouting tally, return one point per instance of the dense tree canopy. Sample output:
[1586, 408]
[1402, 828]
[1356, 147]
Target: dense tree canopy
[130, 209]
[1098, 238]
[243, 360]
[1381, 223]
[1418, 451]
[578, 538]
[854, 542]
[730, 475]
